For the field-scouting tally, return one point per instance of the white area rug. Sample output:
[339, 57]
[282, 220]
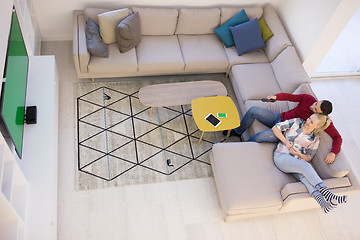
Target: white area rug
[118, 144]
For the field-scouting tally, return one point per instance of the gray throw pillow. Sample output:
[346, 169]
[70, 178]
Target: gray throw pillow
[128, 33]
[94, 43]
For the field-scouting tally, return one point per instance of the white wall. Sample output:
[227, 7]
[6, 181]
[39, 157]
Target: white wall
[55, 17]
[5, 20]
[305, 20]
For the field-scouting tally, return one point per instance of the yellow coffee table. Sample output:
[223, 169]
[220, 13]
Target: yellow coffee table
[201, 107]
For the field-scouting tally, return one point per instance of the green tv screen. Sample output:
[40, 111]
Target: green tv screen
[14, 89]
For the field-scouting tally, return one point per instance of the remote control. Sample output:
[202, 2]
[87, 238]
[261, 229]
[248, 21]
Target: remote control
[268, 100]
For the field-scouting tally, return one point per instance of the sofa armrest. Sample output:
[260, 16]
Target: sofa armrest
[80, 52]
[298, 187]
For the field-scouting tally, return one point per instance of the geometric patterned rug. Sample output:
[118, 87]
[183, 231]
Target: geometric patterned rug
[118, 144]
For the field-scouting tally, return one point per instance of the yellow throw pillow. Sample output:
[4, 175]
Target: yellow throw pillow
[108, 22]
[266, 32]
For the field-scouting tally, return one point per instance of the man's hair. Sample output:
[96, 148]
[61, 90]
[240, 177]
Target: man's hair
[326, 107]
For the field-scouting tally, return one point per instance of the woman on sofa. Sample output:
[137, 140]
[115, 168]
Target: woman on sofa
[296, 149]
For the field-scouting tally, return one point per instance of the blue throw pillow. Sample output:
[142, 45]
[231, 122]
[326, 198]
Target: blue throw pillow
[247, 36]
[224, 32]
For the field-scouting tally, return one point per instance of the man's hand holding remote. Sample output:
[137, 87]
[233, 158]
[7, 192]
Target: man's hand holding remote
[269, 99]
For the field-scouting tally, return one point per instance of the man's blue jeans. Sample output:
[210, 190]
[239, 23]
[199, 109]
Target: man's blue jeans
[300, 169]
[266, 117]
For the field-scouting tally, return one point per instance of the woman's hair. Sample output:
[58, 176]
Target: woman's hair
[324, 122]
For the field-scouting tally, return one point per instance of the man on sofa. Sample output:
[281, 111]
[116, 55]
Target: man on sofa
[306, 107]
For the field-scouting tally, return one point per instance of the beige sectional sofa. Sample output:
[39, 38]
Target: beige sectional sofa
[181, 41]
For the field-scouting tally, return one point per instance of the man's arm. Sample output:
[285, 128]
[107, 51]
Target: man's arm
[291, 97]
[336, 145]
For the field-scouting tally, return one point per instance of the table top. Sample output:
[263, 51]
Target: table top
[201, 107]
[180, 93]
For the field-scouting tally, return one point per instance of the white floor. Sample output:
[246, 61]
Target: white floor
[187, 210]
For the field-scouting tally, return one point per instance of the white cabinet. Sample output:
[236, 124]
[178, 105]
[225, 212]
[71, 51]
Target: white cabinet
[28, 196]
[40, 149]
[13, 195]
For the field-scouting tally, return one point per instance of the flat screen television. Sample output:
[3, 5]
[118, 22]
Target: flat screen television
[13, 91]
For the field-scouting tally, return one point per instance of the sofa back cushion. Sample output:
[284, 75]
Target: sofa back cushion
[304, 88]
[157, 21]
[280, 40]
[288, 70]
[93, 13]
[229, 12]
[198, 20]
[339, 168]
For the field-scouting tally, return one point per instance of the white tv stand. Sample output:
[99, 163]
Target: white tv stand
[28, 197]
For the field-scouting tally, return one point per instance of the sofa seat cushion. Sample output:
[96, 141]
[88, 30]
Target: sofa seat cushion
[254, 81]
[115, 63]
[256, 56]
[203, 52]
[229, 12]
[159, 54]
[288, 70]
[280, 106]
[246, 177]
